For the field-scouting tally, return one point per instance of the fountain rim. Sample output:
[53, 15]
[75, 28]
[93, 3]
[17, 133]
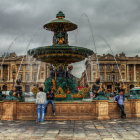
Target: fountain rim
[67, 54]
[50, 48]
[70, 26]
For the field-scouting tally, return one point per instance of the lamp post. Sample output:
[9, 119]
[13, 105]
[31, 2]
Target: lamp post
[5, 84]
[113, 79]
[13, 76]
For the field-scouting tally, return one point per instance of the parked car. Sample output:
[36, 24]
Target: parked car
[134, 93]
[135, 90]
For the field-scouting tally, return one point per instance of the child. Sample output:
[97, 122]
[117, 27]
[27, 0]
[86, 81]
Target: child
[119, 99]
[40, 101]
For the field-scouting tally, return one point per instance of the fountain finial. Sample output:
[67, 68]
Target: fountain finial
[60, 14]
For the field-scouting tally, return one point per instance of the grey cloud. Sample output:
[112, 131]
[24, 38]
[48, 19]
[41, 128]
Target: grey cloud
[116, 20]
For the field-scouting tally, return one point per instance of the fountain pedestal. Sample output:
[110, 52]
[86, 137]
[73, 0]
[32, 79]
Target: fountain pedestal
[9, 110]
[102, 112]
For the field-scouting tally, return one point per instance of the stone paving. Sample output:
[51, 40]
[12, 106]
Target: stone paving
[127, 129]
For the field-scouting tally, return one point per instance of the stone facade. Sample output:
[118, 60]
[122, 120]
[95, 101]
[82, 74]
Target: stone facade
[27, 69]
[124, 71]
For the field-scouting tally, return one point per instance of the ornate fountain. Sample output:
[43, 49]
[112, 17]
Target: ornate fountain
[60, 55]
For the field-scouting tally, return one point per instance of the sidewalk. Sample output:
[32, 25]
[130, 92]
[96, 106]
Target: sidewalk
[128, 129]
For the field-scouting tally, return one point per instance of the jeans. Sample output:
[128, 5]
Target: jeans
[122, 110]
[40, 112]
[52, 103]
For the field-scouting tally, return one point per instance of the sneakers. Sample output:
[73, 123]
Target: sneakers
[42, 122]
[37, 121]
[54, 114]
[123, 117]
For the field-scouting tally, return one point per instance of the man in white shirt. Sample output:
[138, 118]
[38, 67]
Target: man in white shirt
[40, 101]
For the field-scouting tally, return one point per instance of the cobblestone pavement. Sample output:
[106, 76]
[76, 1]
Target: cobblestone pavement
[128, 129]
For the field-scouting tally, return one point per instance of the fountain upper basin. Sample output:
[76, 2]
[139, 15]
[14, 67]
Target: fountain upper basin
[57, 54]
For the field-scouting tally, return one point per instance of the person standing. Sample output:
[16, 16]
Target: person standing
[119, 99]
[50, 100]
[40, 101]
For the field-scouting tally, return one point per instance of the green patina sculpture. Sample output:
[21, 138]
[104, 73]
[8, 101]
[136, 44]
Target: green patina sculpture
[16, 94]
[98, 90]
[60, 52]
[10, 97]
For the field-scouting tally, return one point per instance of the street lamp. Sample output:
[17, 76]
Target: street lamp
[113, 79]
[13, 76]
[5, 84]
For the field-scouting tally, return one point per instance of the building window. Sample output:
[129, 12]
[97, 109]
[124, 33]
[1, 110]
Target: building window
[35, 67]
[27, 77]
[122, 67]
[20, 76]
[115, 67]
[20, 67]
[123, 75]
[116, 77]
[102, 76]
[42, 75]
[27, 67]
[94, 75]
[131, 77]
[108, 67]
[101, 67]
[35, 76]
[41, 68]
[137, 75]
[108, 77]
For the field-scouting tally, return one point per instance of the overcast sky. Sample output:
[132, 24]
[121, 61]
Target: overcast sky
[118, 21]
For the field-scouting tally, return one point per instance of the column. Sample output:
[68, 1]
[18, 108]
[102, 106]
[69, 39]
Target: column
[24, 73]
[105, 73]
[48, 72]
[92, 73]
[97, 71]
[1, 72]
[8, 73]
[45, 71]
[125, 72]
[31, 72]
[128, 76]
[135, 73]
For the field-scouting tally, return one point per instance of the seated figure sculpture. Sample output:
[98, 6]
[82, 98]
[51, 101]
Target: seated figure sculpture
[96, 87]
[52, 72]
[62, 78]
[99, 91]
[11, 96]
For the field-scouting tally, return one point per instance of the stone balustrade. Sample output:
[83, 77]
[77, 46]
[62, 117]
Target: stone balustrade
[101, 110]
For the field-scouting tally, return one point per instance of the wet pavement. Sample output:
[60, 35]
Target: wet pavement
[119, 129]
